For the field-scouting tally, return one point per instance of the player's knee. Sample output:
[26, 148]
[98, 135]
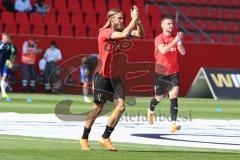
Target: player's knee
[173, 95]
[120, 108]
[158, 98]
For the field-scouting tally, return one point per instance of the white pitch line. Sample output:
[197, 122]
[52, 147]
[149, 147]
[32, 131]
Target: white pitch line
[123, 145]
[46, 126]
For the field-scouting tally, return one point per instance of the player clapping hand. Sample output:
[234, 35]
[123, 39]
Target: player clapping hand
[135, 13]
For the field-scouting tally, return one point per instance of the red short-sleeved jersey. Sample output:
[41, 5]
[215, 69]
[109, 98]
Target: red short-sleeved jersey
[166, 63]
[106, 47]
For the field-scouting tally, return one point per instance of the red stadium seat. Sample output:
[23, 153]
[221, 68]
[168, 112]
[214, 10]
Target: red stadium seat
[195, 12]
[53, 30]
[211, 3]
[178, 1]
[189, 38]
[205, 12]
[1, 27]
[154, 11]
[216, 13]
[192, 1]
[49, 19]
[220, 25]
[232, 26]
[86, 5]
[158, 31]
[74, 16]
[171, 11]
[90, 19]
[201, 24]
[24, 29]
[216, 37]
[236, 38]
[226, 38]
[60, 5]
[77, 20]
[203, 38]
[32, 1]
[49, 3]
[156, 22]
[11, 28]
[202, 2]
[126, 9]
[102, 20]
[101, 7]
[81, 31]
[39, 30]
[227, 13]
[188, 25]
[36, 19]
[92, 31]
[233, 3]
[148, 33]
[22, 18]
[185, 10]
[113, 4]
[74, 6]
[238, 24]
[236, 14]
[146, 23]
[7, 18]
[223, 2]
[67, 31]
[211, 25]
[127, 19]
[63, 19]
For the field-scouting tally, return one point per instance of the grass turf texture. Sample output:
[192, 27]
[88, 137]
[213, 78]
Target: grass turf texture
[28, 148]
[200, 108]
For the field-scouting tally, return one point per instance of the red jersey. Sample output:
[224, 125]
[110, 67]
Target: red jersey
[166, 63]
[107, 49]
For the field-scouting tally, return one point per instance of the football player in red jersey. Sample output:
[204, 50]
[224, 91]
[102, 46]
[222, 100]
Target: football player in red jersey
[167, 48]
[107, 85]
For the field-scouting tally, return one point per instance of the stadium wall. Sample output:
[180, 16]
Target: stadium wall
[198, 55]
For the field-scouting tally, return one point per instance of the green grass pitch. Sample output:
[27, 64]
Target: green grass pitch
[29, 148]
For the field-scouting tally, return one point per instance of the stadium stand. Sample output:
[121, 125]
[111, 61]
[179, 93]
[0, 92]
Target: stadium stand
[217, 19]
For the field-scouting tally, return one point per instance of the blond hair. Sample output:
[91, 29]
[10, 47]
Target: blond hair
[110, 14]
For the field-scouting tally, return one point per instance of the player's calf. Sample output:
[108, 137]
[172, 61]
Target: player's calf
[150, 113]
[174, 110]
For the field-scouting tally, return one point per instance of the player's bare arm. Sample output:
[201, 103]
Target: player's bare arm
[125, 33]
[139, 33]
[181, 48]
[165, 48]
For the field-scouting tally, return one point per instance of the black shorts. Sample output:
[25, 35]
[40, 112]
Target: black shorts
[164, 83]
[107, 89]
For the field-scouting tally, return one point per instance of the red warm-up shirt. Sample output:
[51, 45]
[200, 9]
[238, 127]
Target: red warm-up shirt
[166, 63]
[107, 49]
